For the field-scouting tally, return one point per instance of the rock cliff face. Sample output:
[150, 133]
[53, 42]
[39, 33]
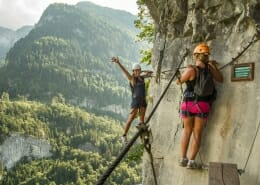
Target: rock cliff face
[228, 27]
[16, 147]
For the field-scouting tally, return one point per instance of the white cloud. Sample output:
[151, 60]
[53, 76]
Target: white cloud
[17, 13]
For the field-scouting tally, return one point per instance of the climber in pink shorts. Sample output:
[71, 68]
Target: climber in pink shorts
[200, 109]
[196, 103]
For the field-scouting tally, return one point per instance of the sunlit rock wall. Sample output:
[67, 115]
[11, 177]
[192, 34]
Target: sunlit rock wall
[16, 147]
[228, 27]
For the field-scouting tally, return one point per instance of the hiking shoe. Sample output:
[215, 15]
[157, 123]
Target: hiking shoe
[141, 126]
[124, 140]
[192, 165]
[183, 162]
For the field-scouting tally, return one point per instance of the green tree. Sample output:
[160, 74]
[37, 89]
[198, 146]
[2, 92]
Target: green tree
[146, 26]
[5, 96]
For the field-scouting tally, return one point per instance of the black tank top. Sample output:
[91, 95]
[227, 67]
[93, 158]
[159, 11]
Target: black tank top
[138, 90]
[190, 85]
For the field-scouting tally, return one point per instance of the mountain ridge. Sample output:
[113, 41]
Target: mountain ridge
[68, 52]
[8, 37]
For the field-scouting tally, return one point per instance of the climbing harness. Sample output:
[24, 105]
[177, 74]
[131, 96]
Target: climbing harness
[107, 173]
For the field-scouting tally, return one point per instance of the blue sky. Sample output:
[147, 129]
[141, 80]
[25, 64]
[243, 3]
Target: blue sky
[17, 13]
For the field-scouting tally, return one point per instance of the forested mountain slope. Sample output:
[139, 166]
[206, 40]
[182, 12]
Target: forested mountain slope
[68, 54]
[81, 145]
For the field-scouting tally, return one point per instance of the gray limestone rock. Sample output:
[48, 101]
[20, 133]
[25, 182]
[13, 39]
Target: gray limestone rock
[227, 27]
[16, 147]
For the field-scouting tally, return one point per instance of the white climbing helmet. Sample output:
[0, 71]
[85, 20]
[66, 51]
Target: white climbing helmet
[136, 66]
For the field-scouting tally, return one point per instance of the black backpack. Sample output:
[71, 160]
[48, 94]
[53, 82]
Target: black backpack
[204, 84]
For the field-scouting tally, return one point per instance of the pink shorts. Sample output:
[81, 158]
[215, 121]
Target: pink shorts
[199, 109]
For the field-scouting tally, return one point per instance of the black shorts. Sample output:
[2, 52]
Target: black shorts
[138, 103]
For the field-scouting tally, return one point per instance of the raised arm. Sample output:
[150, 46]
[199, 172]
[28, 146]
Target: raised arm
[215, 71]
[188, 74]
[147, 73]
[127, 74]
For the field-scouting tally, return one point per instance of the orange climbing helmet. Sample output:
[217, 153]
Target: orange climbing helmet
[201, 48]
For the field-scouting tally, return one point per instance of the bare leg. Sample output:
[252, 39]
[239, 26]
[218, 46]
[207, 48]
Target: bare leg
[142, 114]
[131, 117]
[188, 126]
[197, 133]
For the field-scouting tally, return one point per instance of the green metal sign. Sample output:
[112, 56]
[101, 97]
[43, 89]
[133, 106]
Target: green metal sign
[242, 72]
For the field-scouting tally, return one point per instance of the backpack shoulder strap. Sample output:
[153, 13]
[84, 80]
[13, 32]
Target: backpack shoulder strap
[196, 69]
